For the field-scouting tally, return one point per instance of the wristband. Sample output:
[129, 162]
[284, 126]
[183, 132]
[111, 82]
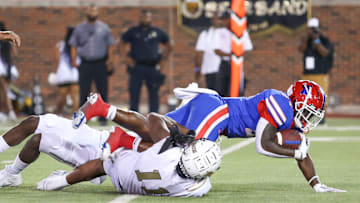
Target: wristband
[317, 41]
[313, 178]
[197, 69]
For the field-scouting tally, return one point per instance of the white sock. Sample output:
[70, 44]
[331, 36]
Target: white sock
[111, 113]
[63, 182]
[17, 166]
[3, 145]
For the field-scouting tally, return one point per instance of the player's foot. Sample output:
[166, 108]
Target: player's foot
[95, 106]
[106, 151]
[55, 181]
[9, 180]
[118, 138]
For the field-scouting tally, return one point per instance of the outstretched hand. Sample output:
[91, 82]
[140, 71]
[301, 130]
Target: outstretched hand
[323, 188]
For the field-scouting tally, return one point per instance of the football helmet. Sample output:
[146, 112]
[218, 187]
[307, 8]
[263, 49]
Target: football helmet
[308, 100]
[200, 159]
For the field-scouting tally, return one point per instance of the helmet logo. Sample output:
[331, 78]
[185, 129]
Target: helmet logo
[306, 90]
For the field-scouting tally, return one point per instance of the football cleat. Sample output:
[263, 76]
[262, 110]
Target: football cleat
[106, 151]
[9, 180]
[95, 106]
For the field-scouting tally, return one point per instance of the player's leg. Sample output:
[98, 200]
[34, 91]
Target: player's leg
[10, 176]
[17, 134]
[95, 106]
[206, 114]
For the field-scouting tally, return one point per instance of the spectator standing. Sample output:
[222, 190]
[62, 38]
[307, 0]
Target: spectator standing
[318, 55]
[6, 65]
[67, 76]
[223, 49]
[207, 62]
[145, 60]
[93, 43]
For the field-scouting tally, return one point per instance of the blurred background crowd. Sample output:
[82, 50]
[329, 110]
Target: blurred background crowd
[70, 48]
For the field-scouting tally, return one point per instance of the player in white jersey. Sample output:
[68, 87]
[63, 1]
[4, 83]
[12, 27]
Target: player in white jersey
[149, 172]
[54, 136]
[173, 166]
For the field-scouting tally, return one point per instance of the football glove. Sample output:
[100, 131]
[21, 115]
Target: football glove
[323, 188]
[303, 149]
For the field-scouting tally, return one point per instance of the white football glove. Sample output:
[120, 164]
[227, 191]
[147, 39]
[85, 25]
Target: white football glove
[55, 181]
[303, 149]
[323, 188]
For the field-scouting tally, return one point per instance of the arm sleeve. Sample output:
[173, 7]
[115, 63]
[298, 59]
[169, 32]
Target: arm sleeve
[200, 42]
[217, 41]
[277, 110]
[164, 38]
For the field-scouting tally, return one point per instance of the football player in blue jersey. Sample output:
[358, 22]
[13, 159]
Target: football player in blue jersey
[210, 115]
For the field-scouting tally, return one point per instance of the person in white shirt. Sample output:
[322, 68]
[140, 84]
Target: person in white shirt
[222, 46]
[207, 62]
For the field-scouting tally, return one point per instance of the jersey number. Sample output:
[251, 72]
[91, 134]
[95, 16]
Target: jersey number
[155, 175]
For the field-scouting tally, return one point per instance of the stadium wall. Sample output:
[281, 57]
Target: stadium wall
[274, 63]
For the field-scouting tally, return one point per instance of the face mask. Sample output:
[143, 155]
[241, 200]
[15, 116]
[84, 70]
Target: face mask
[91, 18]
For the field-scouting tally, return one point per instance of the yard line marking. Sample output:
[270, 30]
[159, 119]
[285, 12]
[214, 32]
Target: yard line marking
[7, 161]
[337, 128]
[124, 199]
[237, 146]
[334, 139]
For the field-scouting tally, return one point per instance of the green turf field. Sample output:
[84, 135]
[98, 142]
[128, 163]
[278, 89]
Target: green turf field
[244, 176]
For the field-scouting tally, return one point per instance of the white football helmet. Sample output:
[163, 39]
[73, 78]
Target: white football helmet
[200, 159]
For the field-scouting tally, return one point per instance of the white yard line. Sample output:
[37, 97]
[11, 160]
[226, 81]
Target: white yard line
[7, 162]
[237, 146]
[124, 199]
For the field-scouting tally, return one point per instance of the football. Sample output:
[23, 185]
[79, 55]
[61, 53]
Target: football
[288, 138]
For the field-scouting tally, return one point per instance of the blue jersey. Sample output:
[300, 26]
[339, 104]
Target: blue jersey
[209, 115]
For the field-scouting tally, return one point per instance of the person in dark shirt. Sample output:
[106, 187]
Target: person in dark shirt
[144, 59]
[92, 42]
[318, 55]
